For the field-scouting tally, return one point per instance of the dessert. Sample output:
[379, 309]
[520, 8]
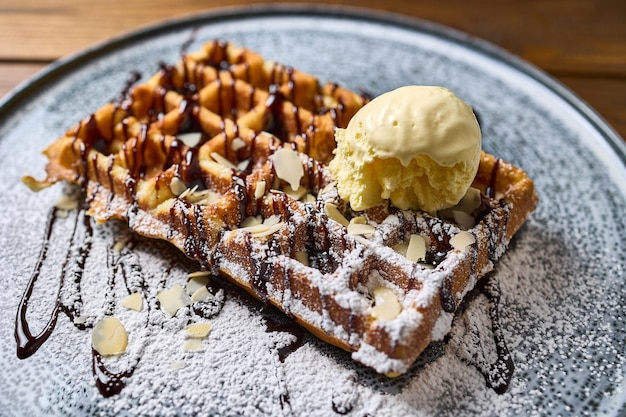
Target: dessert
[418, 146]
[225, 156]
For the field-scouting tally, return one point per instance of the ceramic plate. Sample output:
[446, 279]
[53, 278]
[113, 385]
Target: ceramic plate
[563, 289]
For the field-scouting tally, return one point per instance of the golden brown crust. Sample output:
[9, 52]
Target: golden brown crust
[183, 159]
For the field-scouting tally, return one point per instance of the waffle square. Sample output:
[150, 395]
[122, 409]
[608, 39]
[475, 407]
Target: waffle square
[224, 155]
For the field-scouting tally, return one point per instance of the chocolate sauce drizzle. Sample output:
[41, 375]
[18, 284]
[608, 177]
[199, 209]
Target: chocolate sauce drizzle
[498, 375]
[107, 382]
[289, 326]
[27, 343]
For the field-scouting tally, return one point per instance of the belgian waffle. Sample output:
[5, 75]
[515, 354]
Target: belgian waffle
[224, 155]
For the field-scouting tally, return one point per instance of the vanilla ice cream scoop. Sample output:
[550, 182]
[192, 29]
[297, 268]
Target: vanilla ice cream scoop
[418, 146]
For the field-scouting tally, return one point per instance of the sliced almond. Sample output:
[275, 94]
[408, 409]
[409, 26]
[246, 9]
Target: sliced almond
[243, 165]
[462, 240]
[251, 221]
[416, 249]
[259, 190]
[197, 280]
[173, 299]
[237, 144]
[191, 139]
[177, 186]
[223, 161]
[270, 230]
[201, 294]
[401, 248]
[109, 337]
[309, 198]
[133, 302]
[255, 228]
[361, 229]
[204, 197]
[272, 220]
[358, 220]
[193, 345]
[187, 192]
[333, 213]
[215, 168]
[198, 330]
[297, 194]
[386, 304]
[288, 167]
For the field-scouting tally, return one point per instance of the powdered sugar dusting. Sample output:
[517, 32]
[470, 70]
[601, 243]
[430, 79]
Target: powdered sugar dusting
[563, 292]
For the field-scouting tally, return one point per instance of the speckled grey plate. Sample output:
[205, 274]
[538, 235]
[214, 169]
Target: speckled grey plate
[563, 278]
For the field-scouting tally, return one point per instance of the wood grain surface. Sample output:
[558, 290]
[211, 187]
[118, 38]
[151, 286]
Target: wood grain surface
[581, 43]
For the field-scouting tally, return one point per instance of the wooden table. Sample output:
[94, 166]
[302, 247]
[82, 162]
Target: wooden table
[582, 43]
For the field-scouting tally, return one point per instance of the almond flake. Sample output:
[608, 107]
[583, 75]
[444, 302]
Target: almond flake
[204, 197]
[333, 213]
[196, 281]
[416, 249]
[243, 165]
[361, 229]
[193, 345]
[214, 168]
[309, 198]
[222, 161]
[272, 220]
[401, 248]
[386, 304]
[358, 220]
[177, 186]
[251, 221]
[109, 337]
[187, 192]
[201, 294]
[462, 240]
[198, 274]
[191, 139]
[270, 230]
[237, 144]
[133, 302]
[297, 194]
[259, 190]
[173, 299]
[288, 167]
[361, 240]
[256, 228]
[198, 330]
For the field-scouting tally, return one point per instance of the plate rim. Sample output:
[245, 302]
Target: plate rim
[55, 70]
